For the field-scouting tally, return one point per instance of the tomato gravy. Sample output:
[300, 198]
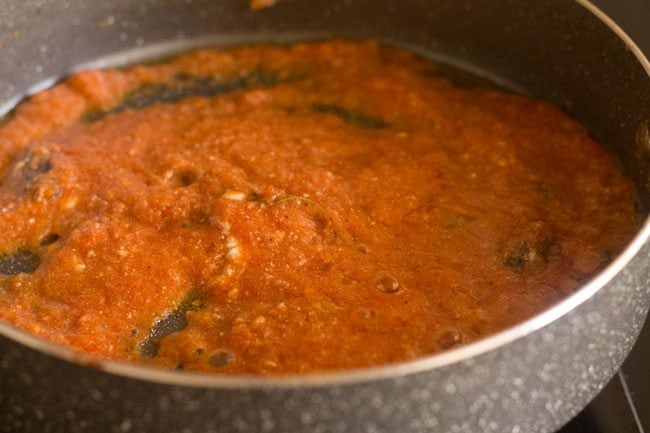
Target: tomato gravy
[292, 209]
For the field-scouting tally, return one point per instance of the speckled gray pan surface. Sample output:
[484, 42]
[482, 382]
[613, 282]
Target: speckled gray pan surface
[534, 378]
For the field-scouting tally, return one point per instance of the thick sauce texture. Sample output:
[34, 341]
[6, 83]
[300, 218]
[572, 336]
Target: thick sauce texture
[294, 209]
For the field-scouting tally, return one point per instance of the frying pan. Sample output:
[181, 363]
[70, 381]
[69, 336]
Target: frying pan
[532, 377]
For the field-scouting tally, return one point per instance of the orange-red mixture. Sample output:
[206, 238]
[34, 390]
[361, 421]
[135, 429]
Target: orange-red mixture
[275, 209]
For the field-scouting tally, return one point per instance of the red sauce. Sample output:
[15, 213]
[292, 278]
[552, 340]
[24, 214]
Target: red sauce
[270, 209]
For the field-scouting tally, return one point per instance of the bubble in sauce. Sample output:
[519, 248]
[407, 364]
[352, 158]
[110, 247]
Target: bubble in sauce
[221, 357]
[449, 338]
[388, 284]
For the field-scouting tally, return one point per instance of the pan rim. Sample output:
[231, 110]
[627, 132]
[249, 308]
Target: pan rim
[372, 374]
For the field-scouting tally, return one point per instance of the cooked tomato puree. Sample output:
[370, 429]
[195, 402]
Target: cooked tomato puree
[287, 209]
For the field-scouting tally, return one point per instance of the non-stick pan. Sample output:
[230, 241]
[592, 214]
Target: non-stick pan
[530, 378]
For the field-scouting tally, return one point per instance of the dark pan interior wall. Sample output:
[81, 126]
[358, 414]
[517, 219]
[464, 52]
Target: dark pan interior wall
[633, 16]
